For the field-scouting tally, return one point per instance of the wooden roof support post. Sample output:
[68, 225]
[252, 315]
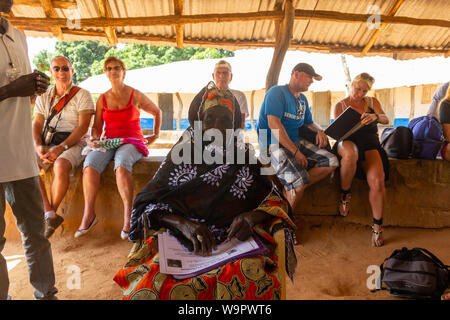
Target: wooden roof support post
[412, 107]
[50, 13]
[283, 30]
[252, 109]
[380, 29]
[105, 12]
[180, 110]
[178, 4]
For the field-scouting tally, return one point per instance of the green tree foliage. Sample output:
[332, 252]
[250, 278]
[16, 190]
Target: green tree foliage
[137, 56]
[42, 60]
[88, 56]
[82, 54]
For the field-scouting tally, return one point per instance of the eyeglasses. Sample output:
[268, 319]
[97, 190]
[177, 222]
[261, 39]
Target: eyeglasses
[117, 68]
[63, 68]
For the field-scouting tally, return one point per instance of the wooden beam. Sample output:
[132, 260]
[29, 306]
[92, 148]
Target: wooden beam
[224, 17]
[57, 4]
[334, 16]
[50, 13]
[180, 110]
[178, 5]
[252, 109]
[150, 21]
[105, 11]
[283, 39]
[179, 35]
[247, 44]
[377, 32]
[412, 109]
[220, 43]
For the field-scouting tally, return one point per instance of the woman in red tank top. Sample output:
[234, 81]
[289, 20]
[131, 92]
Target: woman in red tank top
[117, 116]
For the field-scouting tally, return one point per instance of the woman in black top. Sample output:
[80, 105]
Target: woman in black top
[361, 154]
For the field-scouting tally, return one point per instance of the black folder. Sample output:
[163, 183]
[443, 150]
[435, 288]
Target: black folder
[345, 125]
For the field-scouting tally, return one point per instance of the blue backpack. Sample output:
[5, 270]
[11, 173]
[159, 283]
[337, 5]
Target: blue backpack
[428, 137]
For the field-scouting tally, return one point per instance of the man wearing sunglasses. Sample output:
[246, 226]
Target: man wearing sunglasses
[64, 149]
[18, 170]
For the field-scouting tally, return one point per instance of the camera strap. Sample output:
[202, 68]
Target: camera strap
[62, 103]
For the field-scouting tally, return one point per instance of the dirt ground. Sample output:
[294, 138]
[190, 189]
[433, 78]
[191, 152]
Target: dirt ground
[333, 259]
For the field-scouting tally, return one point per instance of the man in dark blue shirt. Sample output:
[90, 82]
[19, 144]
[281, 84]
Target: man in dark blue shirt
[297, 162]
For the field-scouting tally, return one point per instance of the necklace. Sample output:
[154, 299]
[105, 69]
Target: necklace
[11, 64]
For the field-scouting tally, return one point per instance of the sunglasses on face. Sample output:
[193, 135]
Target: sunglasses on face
[63, 68]
[117, 68]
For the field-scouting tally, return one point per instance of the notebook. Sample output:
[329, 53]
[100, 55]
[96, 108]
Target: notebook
[176, 260]
[345, 125]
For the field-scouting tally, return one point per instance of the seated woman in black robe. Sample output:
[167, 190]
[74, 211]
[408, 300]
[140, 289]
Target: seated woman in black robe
[203, 203]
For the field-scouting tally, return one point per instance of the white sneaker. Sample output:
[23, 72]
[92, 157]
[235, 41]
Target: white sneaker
[124, 235]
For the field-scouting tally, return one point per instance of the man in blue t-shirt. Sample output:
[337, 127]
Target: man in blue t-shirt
[297, 162]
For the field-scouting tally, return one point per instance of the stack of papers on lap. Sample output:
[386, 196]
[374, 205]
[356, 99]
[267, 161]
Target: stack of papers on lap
[345, 125]
[176, 260]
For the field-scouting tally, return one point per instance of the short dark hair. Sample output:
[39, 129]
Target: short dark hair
[113, 59]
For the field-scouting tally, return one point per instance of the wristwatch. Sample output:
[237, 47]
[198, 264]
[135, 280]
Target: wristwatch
[65, 146]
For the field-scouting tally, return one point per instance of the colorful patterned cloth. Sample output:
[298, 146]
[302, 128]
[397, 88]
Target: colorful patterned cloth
[214, 97]
[243, 279]
[109, 144]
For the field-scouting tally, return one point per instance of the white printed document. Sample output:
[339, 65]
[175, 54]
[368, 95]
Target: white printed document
[178, 261]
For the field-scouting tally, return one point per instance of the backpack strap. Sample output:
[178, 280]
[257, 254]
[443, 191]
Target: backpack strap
[433, 257]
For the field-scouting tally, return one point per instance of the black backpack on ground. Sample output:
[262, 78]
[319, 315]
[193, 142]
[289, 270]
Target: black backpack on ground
[398, 142]
[415, 273]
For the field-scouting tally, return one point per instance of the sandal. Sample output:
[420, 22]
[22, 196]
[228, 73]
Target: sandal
[344, 203]
[377, 239]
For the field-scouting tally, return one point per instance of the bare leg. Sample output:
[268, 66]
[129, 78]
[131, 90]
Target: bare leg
[91, 184]
[447, 154]
[349, 156]
[61, 181]
[373, 166]
[294, 196]
[348, 152]
[124, 180]
[315, 175]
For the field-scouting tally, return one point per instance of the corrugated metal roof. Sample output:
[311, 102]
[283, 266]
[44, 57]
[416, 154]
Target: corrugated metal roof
[308, 34]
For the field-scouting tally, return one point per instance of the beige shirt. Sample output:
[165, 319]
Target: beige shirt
[240, 97]
[67, 119]
[17, 155]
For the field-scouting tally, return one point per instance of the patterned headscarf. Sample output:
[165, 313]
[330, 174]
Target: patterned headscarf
[214, 97]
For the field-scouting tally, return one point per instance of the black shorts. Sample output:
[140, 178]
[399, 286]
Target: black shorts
[366, 143]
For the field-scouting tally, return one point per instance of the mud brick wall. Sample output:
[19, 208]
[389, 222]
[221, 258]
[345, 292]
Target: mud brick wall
[417, 195]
